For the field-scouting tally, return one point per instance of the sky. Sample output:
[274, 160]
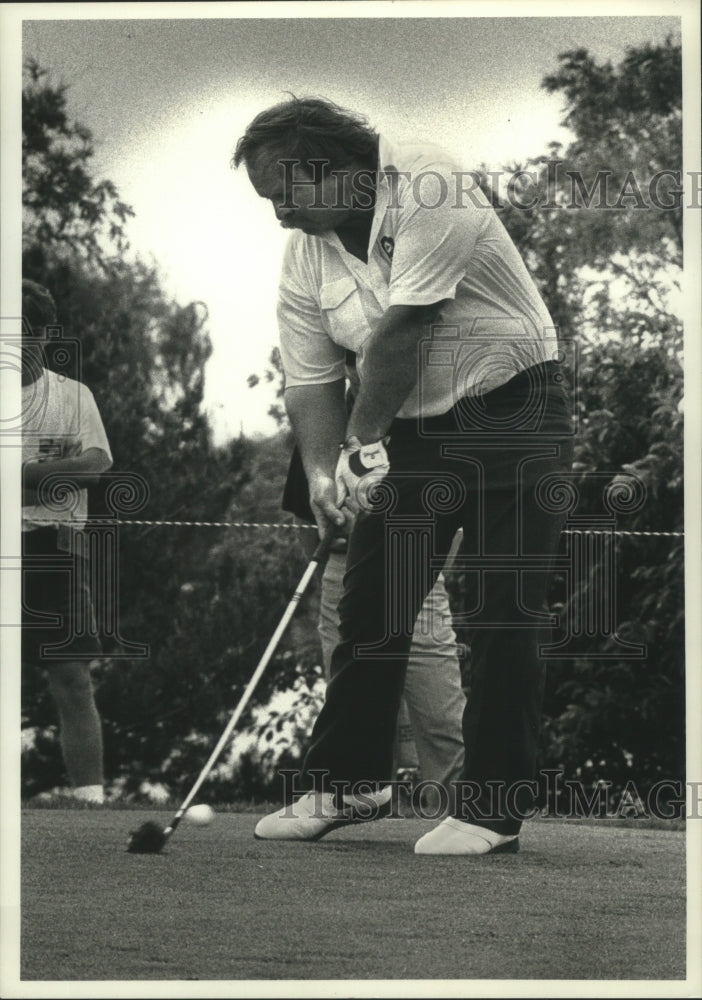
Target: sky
[166, 100]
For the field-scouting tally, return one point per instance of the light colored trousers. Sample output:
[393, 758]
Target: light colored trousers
[430, 722]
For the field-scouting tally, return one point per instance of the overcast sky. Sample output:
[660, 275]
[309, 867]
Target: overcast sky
[167, 99]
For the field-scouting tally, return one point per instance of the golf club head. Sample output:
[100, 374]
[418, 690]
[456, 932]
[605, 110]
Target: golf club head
[148, 839]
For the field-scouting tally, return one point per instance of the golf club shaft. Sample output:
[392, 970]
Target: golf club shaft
[319, 555]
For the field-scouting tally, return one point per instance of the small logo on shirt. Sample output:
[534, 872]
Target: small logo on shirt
[388, 245]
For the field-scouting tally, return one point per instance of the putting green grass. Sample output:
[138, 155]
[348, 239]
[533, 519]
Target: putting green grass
[578, 902]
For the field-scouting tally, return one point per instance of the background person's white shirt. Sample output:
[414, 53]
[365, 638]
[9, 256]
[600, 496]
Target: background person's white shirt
[60, 420]
[431, 240]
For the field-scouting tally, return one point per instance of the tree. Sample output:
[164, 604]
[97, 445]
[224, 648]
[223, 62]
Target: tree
[610, 276]
[273, 374]
[65, 208]
[627, 121]
[600, 222]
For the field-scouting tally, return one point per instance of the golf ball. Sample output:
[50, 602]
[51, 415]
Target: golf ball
[200, 815]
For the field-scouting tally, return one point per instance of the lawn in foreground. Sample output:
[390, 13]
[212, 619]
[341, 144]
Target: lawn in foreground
[578, 902]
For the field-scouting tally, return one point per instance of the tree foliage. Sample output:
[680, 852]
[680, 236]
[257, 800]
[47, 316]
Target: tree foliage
[611, 279]
[600, 221]
[65, 207]
[273, 375]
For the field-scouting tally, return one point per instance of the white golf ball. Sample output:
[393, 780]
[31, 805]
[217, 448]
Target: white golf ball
[200, 815]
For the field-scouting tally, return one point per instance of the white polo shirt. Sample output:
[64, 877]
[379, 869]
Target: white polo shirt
[434, 237]
[60, 420]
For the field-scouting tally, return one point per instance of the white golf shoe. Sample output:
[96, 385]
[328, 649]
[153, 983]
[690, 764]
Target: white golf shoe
[453, 836]
[92, 796]
[316, 814]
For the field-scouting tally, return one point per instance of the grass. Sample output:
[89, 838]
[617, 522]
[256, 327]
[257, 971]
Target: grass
[583, 901]
[170, 805]
[255, 806]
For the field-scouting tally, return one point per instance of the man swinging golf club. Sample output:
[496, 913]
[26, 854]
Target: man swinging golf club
[461, 413]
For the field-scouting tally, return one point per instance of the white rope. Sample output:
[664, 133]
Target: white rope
[311, 527]
[630, 534]
[207, 524]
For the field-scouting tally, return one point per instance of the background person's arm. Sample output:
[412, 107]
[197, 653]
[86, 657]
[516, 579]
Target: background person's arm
[81, 470]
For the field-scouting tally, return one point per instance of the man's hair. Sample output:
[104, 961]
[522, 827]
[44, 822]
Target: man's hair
[38, 307]
[309, 128]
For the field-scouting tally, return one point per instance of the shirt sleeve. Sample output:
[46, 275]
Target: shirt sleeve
[91, 432]
[308, 354]
[435, 237]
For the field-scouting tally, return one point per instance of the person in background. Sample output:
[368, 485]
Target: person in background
[63, 436]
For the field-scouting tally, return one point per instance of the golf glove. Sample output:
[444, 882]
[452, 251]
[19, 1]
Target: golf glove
[359, 469]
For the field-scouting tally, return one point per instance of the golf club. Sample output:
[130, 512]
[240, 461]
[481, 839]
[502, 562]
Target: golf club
[150, 838]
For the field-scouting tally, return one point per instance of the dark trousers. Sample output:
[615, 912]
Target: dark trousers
[490, 466]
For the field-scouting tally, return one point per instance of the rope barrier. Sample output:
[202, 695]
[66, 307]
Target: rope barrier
[311, 527]
[631, 534]
[209, 524]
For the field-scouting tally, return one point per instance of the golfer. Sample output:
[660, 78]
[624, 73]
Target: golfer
[461, 421]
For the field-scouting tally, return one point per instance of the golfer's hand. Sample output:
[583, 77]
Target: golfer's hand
[359, 469]
[324, 506]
